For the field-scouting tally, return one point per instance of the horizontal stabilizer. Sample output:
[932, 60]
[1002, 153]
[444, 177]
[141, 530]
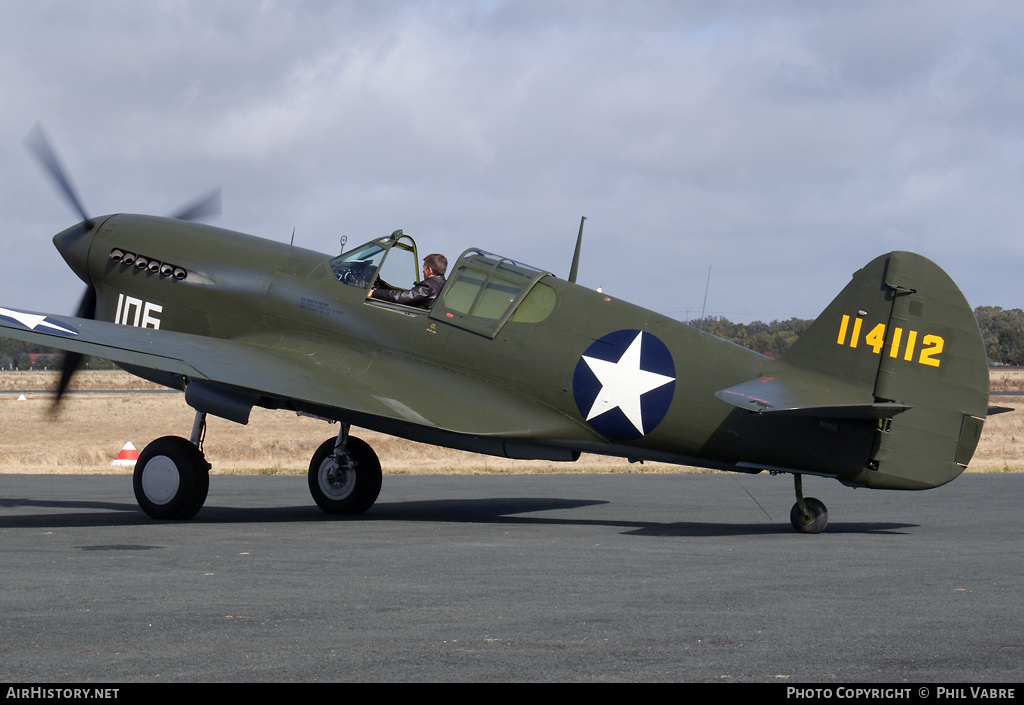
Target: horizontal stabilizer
[813, 398]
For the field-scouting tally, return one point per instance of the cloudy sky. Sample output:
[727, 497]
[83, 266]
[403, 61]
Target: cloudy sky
[777, 145]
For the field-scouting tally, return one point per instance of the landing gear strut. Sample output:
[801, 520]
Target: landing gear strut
[344, 475]
[808, 516]
[172, 476]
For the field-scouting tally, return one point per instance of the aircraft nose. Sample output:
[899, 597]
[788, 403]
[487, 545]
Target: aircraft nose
[73, 245]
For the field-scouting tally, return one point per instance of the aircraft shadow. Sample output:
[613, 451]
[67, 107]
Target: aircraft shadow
[506, 511]
[503, 510]
[95, 514]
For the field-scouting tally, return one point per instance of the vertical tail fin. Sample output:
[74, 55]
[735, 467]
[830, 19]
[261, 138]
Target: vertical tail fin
[903, 330]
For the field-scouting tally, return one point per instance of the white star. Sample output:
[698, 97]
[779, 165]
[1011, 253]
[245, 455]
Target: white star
[623, 383]
[32, 320]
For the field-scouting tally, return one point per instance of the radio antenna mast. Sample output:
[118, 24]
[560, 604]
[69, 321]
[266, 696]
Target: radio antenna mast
[705, 307]
[574, 270]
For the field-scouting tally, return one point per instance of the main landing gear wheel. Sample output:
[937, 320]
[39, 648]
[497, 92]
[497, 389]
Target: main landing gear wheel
[344, 478]
[171, 479]
[808, 516]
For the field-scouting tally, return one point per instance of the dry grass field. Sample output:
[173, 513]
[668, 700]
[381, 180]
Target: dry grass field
[90, 428]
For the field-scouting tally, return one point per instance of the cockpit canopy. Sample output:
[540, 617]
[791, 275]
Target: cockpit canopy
[386, 262]
[483, 291]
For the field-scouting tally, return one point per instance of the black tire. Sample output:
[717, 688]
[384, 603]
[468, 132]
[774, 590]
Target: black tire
[171, 479]
[817, 522]
[351, 491]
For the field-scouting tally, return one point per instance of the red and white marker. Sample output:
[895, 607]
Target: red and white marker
[127, 456]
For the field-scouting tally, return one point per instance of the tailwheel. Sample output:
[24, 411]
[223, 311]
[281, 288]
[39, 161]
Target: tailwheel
[344, 475]
[171, 479]
[811, 520]
[808, 516]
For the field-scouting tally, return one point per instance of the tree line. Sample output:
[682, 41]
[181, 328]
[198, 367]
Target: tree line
[1002, 330]
[19, 355]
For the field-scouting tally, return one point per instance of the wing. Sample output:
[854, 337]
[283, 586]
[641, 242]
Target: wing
[119, 343]
[313, 371]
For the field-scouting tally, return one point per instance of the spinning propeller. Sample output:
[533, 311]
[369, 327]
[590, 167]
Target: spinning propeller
[207, 206]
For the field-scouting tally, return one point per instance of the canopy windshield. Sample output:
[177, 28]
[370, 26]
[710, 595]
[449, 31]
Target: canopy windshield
[384, 262]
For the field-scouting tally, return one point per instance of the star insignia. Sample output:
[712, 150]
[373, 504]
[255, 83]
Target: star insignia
[623, 382]
[34, 321]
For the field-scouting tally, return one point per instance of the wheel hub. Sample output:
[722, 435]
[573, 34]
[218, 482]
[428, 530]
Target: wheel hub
[160, 479]
[337, 479]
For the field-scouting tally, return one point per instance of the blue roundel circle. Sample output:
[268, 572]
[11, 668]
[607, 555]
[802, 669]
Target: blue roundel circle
[623, 384]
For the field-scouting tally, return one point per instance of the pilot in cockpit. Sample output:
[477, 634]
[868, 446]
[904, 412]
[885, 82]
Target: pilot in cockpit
[423, 294]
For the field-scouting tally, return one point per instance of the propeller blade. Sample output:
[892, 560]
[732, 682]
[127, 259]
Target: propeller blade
[40, 146]
[207, 206]
[73, 360]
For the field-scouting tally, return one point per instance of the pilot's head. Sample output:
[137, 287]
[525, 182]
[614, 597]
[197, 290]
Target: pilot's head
[437, 264]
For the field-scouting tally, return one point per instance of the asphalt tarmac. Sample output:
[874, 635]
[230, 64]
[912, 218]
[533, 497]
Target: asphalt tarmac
[686, 578]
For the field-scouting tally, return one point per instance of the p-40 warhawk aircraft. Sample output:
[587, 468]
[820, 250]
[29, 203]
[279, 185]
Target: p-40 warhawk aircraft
[887, 389]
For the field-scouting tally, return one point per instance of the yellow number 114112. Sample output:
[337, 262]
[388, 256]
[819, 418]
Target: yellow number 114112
[927, 354]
